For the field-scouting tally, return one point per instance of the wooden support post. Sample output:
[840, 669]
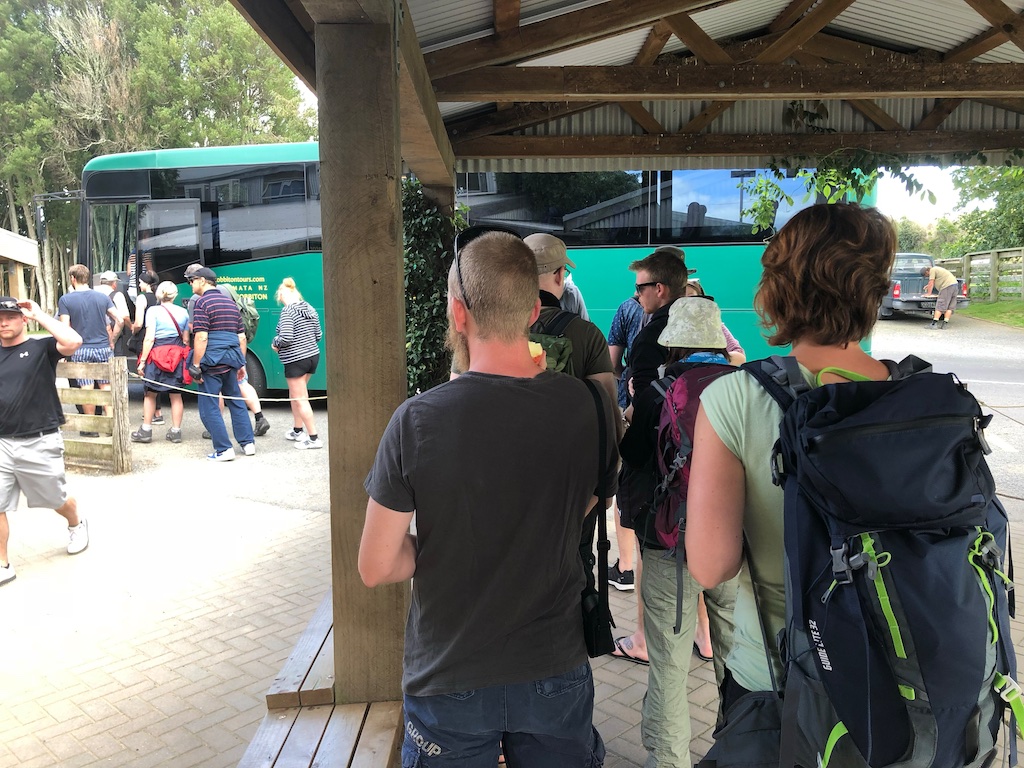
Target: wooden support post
[120, 438]
[357, 82]
[965, 271]
[993, 276]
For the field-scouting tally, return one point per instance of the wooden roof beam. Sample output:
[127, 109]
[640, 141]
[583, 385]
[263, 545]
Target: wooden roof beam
[506, 16]
[425, 145]
[789, 15]
[1002, 17]
[567, 30]
[912, 143]
[285, 34]
[809, 25]
[866, 107]
[733, 82]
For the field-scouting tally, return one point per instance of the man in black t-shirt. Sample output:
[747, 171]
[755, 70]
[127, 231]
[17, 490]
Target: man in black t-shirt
[31, 446]
[499, 466]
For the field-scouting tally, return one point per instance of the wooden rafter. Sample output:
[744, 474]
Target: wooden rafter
[708, 51]
[285, 34]
[652, 47]
[506, 16]
[789, 15]
[866, 107]
[561, 32]
[1003, 18]
[734, 82]
[913, 143]
[809, 25]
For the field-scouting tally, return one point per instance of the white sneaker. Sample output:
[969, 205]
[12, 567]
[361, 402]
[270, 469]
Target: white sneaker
[294, 434]
[79, 541]
[7, 574]
[249, 449]
[305, 444]
[228, 455]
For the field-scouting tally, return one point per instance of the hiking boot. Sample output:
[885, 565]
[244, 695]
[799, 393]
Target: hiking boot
[934, 324]
[262, 427]
[7, 574]
[295, 434]
[305, 444]
[228, 455]
[142, 435]
[79, 537]
[174, 435]
[945, 325]
[158, 420]
[249, 449]
[621, 580]
[206, 435]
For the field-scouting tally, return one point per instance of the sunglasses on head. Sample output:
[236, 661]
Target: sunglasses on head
[464, 238]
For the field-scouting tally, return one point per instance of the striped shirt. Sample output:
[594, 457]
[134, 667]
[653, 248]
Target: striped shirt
[298, 331]
[216, 311]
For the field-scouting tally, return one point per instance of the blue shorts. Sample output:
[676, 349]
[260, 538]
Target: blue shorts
[541, 724]
[91, 355]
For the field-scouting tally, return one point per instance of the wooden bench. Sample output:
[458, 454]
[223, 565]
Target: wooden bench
[304, 728]
[328, 736]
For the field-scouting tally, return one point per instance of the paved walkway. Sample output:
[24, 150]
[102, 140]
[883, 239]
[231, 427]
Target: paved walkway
[156, 646]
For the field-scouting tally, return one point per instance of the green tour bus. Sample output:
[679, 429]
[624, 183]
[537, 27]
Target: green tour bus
[252, 214]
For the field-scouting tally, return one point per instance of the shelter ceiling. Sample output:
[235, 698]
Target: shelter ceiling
[549, 85]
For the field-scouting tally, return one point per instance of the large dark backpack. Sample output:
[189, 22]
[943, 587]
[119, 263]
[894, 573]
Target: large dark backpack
[897, 639]
[551, 336]
[680, 400]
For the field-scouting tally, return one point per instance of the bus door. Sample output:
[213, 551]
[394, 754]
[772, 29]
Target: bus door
[169, 237]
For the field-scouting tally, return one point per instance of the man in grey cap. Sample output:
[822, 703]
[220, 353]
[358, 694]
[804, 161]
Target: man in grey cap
[252, 399]
[109, 287]
[590, 358]
[217, 361]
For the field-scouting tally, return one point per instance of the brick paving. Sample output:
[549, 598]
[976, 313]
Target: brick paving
[156, 646]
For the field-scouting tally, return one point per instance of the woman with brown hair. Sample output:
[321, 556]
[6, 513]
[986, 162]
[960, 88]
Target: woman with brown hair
[824, 277]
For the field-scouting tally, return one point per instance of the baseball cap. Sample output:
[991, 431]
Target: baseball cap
[204, 272]
[9, 304]
[694, 323]
[108, 277]
[549, 251]
[677, 252]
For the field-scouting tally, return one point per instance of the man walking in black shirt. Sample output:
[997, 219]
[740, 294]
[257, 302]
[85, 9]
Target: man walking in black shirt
[31, 446]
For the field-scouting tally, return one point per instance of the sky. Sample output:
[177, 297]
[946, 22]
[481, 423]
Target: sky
[894, 201]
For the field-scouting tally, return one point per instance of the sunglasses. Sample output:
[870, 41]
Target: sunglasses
[464, 238]
[640, 286]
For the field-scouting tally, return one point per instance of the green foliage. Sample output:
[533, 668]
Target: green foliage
[553, 195]
[912, 236]
[429, 248]
[1002, 224]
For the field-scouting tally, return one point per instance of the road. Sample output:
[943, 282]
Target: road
[989, 358]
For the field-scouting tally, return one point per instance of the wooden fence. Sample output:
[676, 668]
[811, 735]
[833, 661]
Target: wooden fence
[990, 275]
[112, 450]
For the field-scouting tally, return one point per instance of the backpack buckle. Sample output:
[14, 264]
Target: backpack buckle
[841, 569]
[1008, 689]
[777, 465]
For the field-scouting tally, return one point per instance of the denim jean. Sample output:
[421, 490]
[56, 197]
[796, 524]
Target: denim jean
[544, 723]
[215, 384]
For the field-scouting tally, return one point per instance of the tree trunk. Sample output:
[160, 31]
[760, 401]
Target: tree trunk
[46, 286]
[12, 209]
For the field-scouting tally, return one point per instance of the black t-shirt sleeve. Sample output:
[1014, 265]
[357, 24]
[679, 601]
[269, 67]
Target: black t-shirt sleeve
[644, 360]
[388, 482]
[637, 444]
[610, 466]
[51, 352]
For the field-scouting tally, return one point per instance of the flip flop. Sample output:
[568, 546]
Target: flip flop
[622, 648]
[700, 655]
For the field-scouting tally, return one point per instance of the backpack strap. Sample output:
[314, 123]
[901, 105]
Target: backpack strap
[556, 326]
[603, 544]
[781, 378]
[908, 366]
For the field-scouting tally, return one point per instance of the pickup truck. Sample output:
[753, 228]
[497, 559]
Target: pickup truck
[906, 287]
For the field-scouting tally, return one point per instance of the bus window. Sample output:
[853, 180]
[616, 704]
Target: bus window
[111, 236]
[168, 236]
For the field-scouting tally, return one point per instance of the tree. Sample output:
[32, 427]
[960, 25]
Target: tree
[912, 236]
[552, 195]
[1002, 225]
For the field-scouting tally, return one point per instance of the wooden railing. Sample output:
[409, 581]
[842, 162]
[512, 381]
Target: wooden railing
[112, 450]
[990, 275]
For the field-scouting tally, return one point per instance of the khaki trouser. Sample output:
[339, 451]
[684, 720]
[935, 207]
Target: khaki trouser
[665, 728]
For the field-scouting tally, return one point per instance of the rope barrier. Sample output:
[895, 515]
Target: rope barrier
[136, 377]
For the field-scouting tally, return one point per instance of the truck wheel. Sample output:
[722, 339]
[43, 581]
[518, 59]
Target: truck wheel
[257, 376]
[885, 313]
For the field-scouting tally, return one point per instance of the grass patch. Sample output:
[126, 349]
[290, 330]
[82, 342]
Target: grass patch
[1007, 312]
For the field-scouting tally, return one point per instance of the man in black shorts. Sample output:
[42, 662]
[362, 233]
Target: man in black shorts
[31, 446]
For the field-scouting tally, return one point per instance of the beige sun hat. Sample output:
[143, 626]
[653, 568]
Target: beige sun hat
[693, 323]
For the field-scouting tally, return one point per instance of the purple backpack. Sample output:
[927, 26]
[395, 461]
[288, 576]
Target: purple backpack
[673, 446]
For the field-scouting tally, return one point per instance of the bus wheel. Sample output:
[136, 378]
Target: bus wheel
[257, 376]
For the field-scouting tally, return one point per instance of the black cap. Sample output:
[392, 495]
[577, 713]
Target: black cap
[204, 272]
[9, 304]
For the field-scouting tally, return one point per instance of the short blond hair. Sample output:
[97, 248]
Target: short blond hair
[287, 293]
[166, 291]
[499, 272]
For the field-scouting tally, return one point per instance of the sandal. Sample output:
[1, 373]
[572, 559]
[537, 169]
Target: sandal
[623, 646]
